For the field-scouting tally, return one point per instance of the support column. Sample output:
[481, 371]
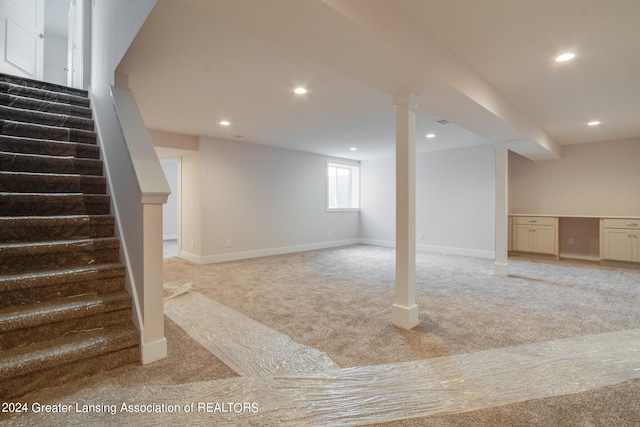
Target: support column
[405, 310]
[501, 266]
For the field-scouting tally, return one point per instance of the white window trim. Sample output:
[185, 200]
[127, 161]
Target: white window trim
[339, 162]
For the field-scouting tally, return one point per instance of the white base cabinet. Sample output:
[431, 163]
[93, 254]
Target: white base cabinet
[621, 240]
[535, 234]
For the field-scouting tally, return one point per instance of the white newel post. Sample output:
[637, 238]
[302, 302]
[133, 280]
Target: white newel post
[405, 310]
[154, 343]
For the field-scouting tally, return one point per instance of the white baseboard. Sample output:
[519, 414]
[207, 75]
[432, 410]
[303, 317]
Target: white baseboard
[373, 242]
[434, 249]
[170, 237]
[189, 257]
[457, 251]
[235, 256]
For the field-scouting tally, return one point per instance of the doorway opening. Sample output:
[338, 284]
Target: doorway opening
[65, 24]
[56, 40]
[170, 210]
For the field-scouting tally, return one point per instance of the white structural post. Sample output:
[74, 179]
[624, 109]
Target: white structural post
[501, 266]
[405, 310]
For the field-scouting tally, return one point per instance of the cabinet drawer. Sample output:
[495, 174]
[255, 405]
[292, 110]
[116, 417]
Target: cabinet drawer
[534, 220]
[622, 223]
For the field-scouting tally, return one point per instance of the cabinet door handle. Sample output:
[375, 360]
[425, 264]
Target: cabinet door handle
[632, 224]
[532, 221]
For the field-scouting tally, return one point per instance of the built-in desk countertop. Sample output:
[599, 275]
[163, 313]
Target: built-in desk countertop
[580, 216]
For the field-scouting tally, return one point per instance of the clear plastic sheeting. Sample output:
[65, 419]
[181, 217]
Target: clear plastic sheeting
[172, 290]
[246, 346]
[373, 394]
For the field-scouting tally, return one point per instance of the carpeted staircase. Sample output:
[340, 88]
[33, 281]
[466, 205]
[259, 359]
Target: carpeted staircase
[64, 310]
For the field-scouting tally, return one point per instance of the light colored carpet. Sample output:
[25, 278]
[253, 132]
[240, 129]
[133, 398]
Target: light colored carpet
[339, 301]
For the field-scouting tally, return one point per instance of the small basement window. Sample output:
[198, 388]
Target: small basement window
[343, 186]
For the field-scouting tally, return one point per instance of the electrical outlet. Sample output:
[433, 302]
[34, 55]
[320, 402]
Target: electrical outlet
[329, 234]
[192, 243]
[228, 243]
[421, 236]
[571, 241]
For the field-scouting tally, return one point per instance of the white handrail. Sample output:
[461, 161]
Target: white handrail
[153, 185]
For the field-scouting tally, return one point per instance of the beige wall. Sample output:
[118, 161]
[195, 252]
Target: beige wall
[264, 200]
[590, 179]
[455, 208]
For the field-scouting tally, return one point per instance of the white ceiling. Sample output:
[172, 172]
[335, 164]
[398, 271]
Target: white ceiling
[484, 65]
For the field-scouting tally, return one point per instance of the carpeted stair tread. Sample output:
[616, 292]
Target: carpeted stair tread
[14, 144]
[32, 323]
[112, 313]
[64, 227]
[38, 131]
[38, 84]
[26, 316]
[19, 162]
[65, 373]
[72, 347]
[34, 104]
[44, 118]
[58, 276]
[43, 94]
[22, 248]
[13, 182]
[47, 285]
[25, 256]
[52, 204]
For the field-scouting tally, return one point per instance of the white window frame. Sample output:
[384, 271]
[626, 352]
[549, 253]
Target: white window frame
[354, 185]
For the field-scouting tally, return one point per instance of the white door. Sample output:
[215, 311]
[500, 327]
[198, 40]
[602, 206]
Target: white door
[71, 44]
[22, 32]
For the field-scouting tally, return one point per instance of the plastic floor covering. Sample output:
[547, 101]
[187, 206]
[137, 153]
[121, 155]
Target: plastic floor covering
[288, 384]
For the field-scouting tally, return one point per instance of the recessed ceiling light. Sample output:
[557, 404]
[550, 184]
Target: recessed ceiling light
[300, 91]
[565, 57]
[224, 123]
[593, 123]
[431, 135]
[353, 149]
